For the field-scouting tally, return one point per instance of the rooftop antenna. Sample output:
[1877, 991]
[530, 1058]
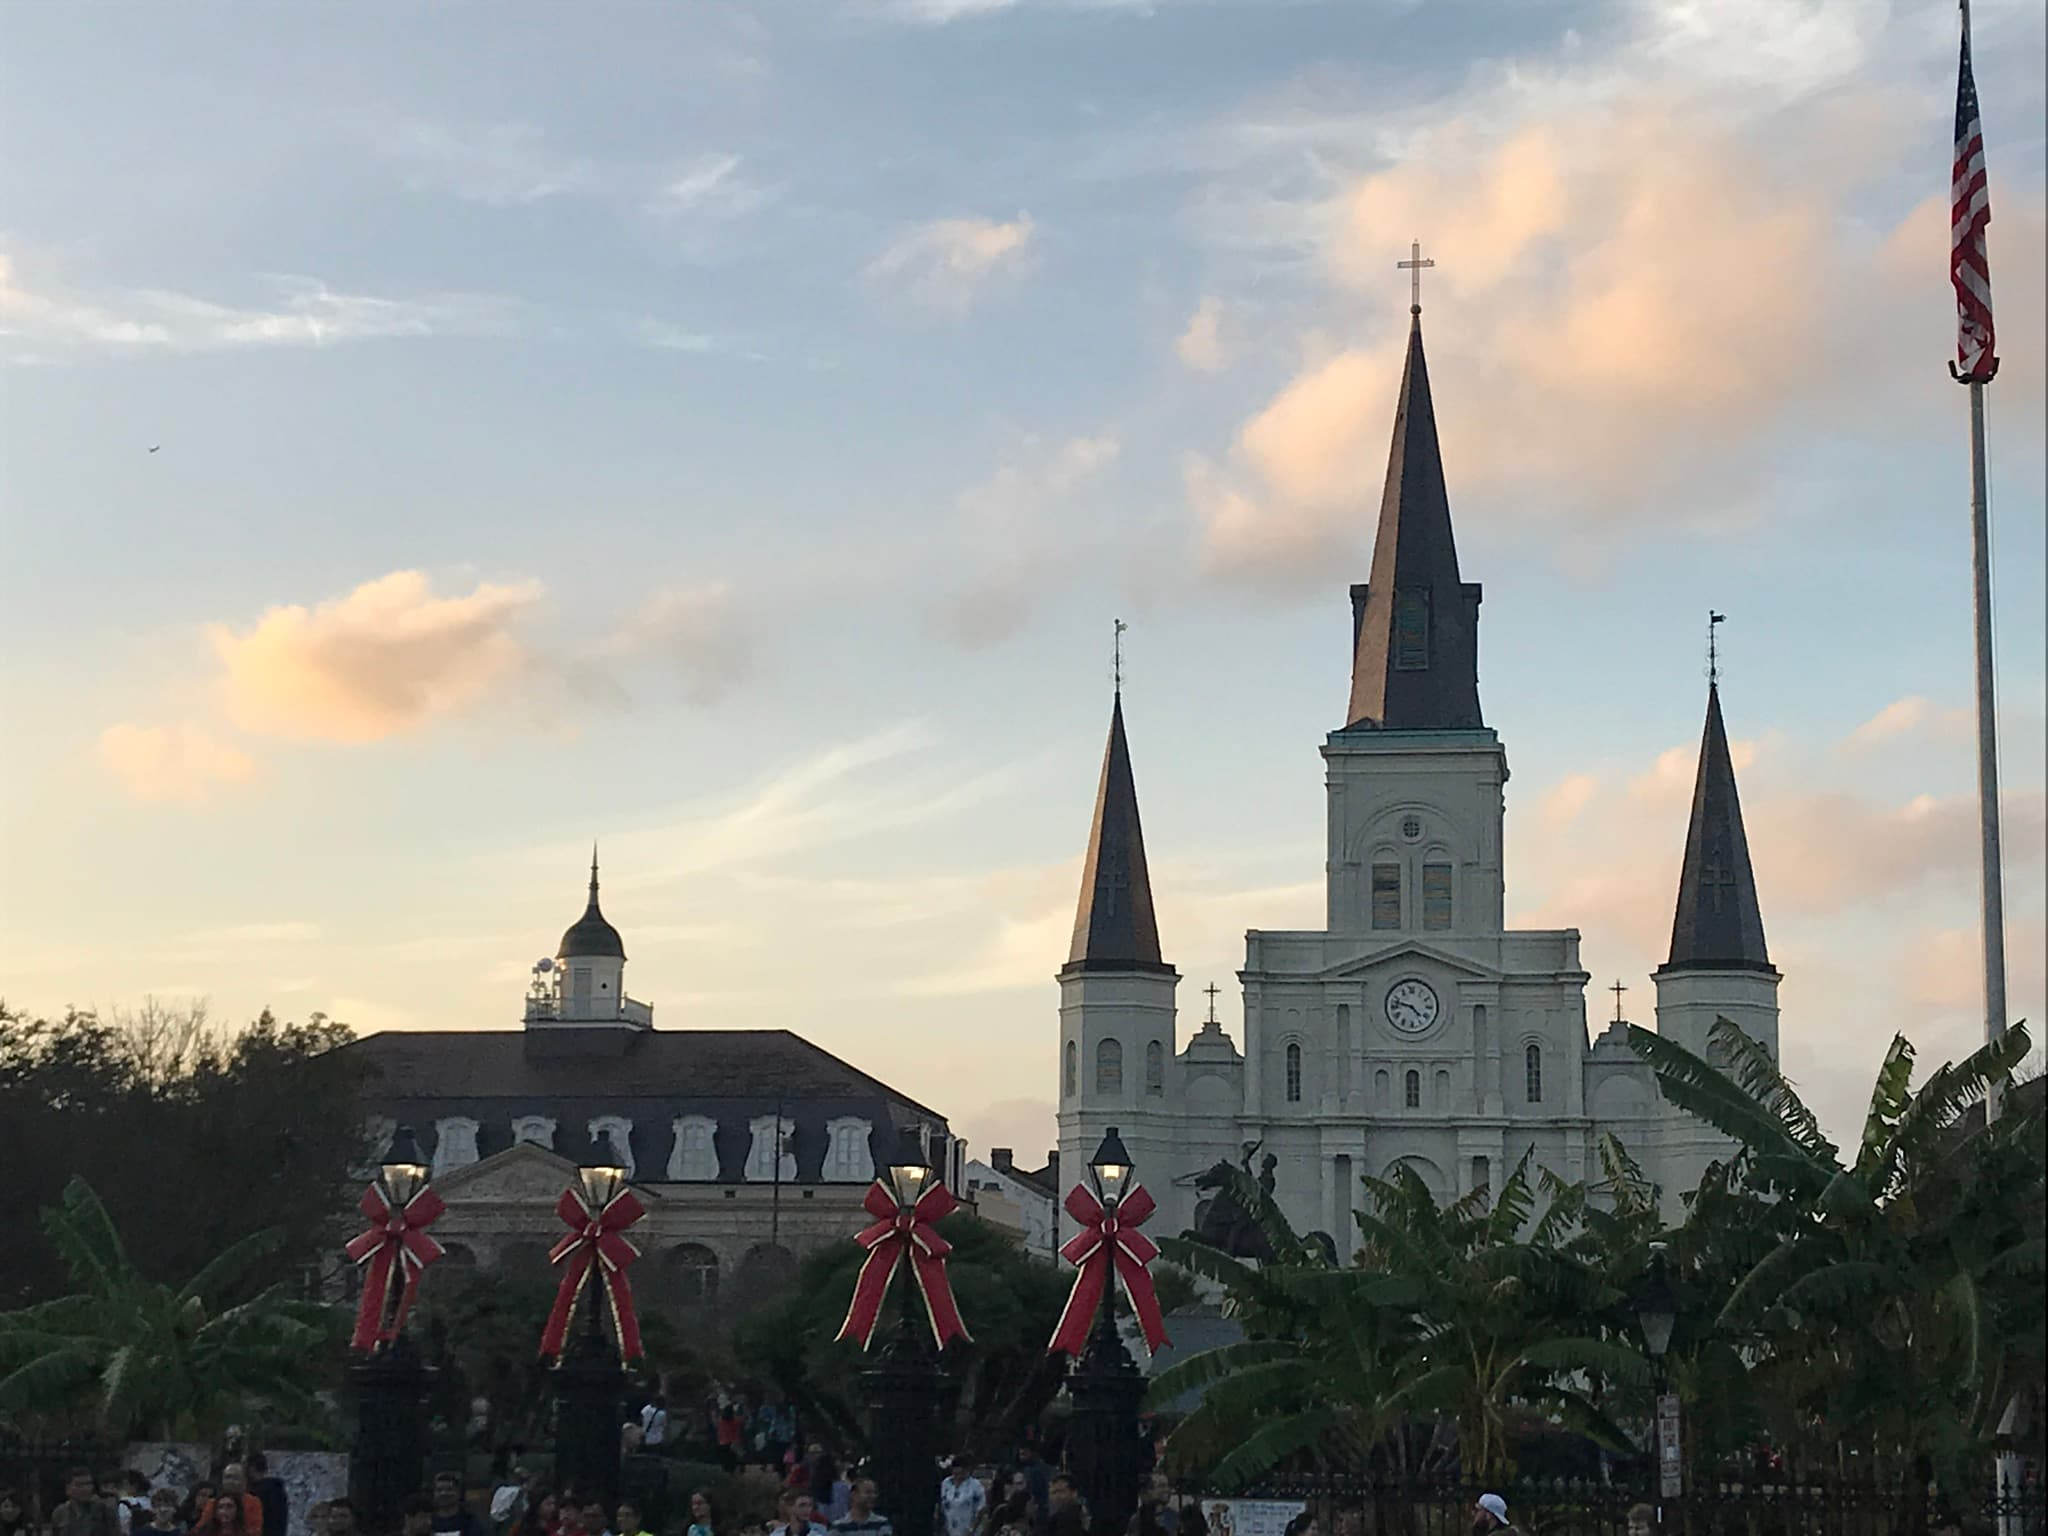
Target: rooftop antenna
[1714, 621]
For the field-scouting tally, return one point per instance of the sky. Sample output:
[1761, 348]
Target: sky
[436, 437]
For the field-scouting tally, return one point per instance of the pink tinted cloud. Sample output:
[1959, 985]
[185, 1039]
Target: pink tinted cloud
[386, 658]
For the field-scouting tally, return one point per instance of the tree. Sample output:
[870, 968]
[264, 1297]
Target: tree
[1011, 1302]
[1462, 1314]
[1320, 1371]
[192, 1135]
[145, 1360]
[1891, 1303]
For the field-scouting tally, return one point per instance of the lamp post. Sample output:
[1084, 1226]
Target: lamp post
[1657, 1313]
[589, 1384]
[1104, 1450]
[388, 1456]
[904, 1385]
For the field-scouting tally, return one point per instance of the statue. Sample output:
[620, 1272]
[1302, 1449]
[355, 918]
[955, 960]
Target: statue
[1223, 1223]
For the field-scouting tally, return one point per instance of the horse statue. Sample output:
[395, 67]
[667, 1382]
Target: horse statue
[1221, 1220]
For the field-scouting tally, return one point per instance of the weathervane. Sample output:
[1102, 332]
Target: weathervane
[1117, 654]
[1413, 267]
[1714, 620]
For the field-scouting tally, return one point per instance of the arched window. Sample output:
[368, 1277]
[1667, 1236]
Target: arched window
[1380, 1090]
[1443, 1090]
[1155, 1070]
[1073, 1070]
[1411, 1090]
[1293, 1073]
[1109, 1067]
[687, 1275]
[1532, 1072]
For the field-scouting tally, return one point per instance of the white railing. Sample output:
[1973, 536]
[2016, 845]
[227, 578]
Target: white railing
[542, 1007]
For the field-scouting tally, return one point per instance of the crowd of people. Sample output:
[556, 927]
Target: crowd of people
[815, 1492]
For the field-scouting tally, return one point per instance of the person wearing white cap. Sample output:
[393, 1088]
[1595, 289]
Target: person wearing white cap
[1492, 1515]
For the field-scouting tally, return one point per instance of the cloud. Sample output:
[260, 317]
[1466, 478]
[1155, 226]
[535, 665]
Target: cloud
[1941, 970]
[184, 764]
[1200, 346]
[501, 165]
[387, 658]
[1015, 538]
[697, 629]
[1913, 715]
[140, 321]
[947, 262]
[1605, 350]
[708, 189]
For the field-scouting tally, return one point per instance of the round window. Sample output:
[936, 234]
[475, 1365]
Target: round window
[1412, 828]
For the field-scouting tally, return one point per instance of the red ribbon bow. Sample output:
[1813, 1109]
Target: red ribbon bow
[1105, 1239]
[393, 1237]
[897, 1234]
[595, 1239]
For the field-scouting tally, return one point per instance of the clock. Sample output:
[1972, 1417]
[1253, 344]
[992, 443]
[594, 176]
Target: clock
[1411, 1006]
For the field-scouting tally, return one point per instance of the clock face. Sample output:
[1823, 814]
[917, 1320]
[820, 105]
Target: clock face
[1411, 1006]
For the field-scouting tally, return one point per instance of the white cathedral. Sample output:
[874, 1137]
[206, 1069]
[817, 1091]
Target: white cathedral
[1413, 1028]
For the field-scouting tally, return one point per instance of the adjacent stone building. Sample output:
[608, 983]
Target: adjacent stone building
[749, 1148]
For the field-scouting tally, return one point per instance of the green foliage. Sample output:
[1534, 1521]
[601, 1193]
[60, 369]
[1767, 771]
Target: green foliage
[1003, 1377]
[138, 1358]
[193, 1136]
[1885, 1309]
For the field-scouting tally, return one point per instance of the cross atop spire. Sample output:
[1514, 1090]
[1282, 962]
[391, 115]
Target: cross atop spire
[1212, 989]
[1617, 989]
[1117, 656]
[1413, 267]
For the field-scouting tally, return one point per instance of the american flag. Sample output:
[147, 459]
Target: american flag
[1969, 265]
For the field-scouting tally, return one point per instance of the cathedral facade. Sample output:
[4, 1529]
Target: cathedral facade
[1414, 1028]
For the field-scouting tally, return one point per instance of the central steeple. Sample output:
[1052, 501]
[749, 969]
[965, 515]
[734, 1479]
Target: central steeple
[1415, 624]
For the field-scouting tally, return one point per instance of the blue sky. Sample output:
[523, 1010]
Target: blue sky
[729, 431]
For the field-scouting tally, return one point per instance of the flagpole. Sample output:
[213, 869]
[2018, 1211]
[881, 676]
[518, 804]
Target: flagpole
[1987, 741]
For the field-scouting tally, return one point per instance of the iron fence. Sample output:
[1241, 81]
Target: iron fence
[1575, 1507]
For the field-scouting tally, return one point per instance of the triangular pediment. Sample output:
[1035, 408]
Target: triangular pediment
[523, 1172]
[1395, 954]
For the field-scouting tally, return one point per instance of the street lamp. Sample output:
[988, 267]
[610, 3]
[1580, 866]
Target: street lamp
[905, 1383]
[590, 1386]
[910, 1170]
[386, 1460]
[1103, 1445]
[1110, 1168]
[1657, 1306]
[1657, 1314]
[404, 1169]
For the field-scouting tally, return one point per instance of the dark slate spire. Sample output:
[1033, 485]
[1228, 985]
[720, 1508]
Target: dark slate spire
[591, 935]
[1114, 928]
[1415, 625]
[1719, 925]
